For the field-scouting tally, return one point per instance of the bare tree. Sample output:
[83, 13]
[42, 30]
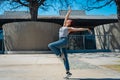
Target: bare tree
[92, 4]
[97, 4]
[118, 9]
[33, 6]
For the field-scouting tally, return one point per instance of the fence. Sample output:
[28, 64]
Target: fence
[82, 43]
[1, 42]
[88, 43]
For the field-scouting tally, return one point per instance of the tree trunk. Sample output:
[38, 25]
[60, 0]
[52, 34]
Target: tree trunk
[34, 13]
[118, 9]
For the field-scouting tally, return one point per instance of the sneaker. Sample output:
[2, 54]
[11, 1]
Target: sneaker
[69, 74]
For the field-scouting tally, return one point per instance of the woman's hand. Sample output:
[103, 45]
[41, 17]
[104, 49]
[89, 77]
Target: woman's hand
[90, 31]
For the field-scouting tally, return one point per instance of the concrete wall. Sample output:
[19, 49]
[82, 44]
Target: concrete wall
[29, 36]
[73, 13]
[113, 41]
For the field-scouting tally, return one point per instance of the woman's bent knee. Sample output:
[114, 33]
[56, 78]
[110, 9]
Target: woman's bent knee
[50, 45]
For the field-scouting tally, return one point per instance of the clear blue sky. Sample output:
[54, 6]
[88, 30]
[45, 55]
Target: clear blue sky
[108, 10]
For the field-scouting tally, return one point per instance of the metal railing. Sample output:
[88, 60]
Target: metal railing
[1, 42]
[88, 42]
[82, 43]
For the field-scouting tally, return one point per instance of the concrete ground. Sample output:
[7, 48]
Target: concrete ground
[84, 66]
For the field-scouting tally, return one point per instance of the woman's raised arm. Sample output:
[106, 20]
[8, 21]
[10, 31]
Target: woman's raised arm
[66, 17]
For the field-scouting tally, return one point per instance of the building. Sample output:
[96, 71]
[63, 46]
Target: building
[23, 35]
[73, 13]
[16, 14]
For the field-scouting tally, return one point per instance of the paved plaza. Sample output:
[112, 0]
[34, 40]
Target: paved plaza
[84, 66]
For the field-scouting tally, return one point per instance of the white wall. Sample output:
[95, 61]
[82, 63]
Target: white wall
[113, 30]
[29, 36]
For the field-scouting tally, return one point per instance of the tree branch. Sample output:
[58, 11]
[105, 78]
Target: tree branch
[20, 2]
[16, 7]
[98, 7]
[41, 2]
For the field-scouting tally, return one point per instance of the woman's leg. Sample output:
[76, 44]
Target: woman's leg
[66, 63]
[65, 59]
[55, 46]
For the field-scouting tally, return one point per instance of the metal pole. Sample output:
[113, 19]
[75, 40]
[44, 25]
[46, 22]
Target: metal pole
[108, 42]
[2, 46]
[84, 42]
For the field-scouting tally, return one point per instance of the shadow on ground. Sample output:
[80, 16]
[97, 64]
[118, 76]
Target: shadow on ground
[94, 79]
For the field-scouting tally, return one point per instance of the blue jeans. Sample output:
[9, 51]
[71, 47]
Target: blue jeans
[58, 47]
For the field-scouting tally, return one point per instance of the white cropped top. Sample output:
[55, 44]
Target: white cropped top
[63, 32]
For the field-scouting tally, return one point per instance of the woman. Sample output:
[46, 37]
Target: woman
[58, 46]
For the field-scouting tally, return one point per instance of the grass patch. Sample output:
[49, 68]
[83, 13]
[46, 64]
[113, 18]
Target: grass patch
[118, 61]
[113, 67]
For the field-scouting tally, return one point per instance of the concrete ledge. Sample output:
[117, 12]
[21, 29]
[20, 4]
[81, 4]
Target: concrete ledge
[28, 52]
